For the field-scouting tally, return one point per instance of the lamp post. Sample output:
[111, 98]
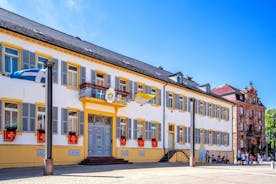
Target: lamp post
[192, 132]
[48, 162]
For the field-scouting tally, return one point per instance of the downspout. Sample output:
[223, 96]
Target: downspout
[164, 116]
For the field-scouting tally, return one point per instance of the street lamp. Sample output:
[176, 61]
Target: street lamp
[192, 132]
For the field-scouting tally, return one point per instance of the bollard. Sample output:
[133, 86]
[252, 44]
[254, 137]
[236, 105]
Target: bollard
[272, 164]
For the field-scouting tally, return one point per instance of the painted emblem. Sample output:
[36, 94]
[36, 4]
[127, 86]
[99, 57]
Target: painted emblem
[110, 95]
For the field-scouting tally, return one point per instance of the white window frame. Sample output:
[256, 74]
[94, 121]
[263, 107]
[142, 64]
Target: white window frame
[43, 119]
[180, 102]
[42, 63]
[11, 111]
[73, 121]
[73, 76]
[170, 105]
[122, 85]
[153, 132]
[153, 92]
[123, 127]
[11, 57]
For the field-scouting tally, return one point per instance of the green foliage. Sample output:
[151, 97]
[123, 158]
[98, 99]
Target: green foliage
[270, 126]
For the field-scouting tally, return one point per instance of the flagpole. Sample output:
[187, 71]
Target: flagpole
[48, 162]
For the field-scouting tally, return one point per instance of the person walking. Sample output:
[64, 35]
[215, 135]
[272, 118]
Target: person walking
[207, 156]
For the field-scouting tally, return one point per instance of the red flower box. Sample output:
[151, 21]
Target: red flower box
[141, 142]
[9, 135]
[40, 137]
[154, 143]
[123, 141]
[73, 139]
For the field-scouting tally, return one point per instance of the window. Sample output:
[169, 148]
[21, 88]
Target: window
[170, 100]
[181, 135]
[202, 136]
[11, 59]
[41, 116]
[154, 99]
[180, 106]
[171, 128]
[42, 62]
[212, 111]
[242, 127]
[218, 138]
[187, 133]
[153, 131]
[123, 127]
[140, 129]
[185, 103]
[100, 81]
[209, 111]
[73, 122]
[241, 111]
[251, 113]
[73, 76]
[260, 115]
[206, 137]
[11, 115]
[140, 88]
[197, 131]
[210, 137]
[123, 85]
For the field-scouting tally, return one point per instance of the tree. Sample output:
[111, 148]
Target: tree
[270, 127]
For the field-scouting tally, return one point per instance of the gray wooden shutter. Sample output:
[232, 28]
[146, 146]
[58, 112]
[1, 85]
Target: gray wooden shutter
[117, 83]
[32, 60]
[167, 99]
[55, 120]
[206, 137]
[118, 128]
[189, 135]
[25, 117]
[108, 81]
[81, 122]
[93, 81]
[55, 70]
[64, 73]
[147, 130]
[188, 104]
[129, 129]
[178, 134]
[130, 89]
[159, 131]
[0, 103]
[25, 59]
[214, 137]
[135, 129]
[64, 121]
[176, 101]
[135, 88]
[0, 66]
[207, 108]
[159, 96]
[83, 75]
[32, 118]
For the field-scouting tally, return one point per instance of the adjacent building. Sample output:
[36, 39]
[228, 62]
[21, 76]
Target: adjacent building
[96, 112]
[248, 118]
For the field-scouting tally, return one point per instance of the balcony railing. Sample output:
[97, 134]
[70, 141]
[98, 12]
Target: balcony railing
[99, 92]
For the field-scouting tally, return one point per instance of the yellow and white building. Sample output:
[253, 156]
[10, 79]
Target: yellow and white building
[94, 93]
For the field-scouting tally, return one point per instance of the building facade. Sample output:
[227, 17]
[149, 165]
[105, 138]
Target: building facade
[96, 112]
[248, 118]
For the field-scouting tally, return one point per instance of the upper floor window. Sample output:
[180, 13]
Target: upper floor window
[100, 79]
[140, 88]
[73, 76]
[170, 101]
[73, 122]
[241, 111]
[201, 107]
[223, 113]
[123, 85]
[11, 60]
[260, 115]
[42, 62]
[180, 105]
[251, 113]
[41, 116]
[154, 99]
[11, 116]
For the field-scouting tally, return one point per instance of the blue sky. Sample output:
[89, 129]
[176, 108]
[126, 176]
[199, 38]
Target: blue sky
[214, 41]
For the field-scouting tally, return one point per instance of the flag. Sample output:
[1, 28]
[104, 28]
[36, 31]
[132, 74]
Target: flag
[34, 74]
[142, 98]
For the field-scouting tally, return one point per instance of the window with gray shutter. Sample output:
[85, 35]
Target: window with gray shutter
[83, 75]
[55, 71]
[108, 81]
[215, 137]
[147, 130]
[64, 121]
[93, 81]
[207, 108]
[25, 117]
[55, 120]
[0, 105]
[118, 128]
[197, 135]
[135, 88]
[0, 66]
[159, 131]
[32, 118]
[64, 73]
[176, 101]
[167, 99]
[32, 60]
[130, 89]
[28, 59]
[117, 83]
[178, 134]
[135, 129]
[81, 122]
[129, 128]
[159, 96]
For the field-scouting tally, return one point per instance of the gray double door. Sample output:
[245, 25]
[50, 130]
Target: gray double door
[99, 138]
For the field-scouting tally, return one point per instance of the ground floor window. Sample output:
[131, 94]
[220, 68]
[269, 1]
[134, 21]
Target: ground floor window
[41, 116]
[140, 129]
[123, 127]
[73, 122]
[11, 115]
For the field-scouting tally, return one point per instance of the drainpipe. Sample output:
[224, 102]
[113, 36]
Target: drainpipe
[164, 117]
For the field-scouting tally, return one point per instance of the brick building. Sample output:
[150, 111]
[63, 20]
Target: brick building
[248, 118]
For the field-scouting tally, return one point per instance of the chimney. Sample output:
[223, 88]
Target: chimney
[160, 68]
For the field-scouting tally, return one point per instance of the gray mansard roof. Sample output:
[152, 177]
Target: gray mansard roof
[27, 27]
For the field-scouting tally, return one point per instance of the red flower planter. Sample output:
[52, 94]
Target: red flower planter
[73, 139]
[40, 136]
[123, 141]
[154, 143]
[9, 135]
[141, 142]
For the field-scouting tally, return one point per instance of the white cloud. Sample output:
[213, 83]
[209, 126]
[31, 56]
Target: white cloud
[6, 5]
[74, 4]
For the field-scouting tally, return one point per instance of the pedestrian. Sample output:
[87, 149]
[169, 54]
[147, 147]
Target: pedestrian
[239, 157]
[207, 156]
[242, 158]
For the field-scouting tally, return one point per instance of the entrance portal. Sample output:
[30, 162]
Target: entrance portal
[99, 135]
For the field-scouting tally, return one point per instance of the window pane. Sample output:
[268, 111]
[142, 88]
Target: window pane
[11, 51]
[14, 64]
[7, 118]
[14, 119]
[8, 64]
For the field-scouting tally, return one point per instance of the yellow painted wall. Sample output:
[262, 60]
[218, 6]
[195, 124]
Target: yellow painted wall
[26, 155]
[151, 154]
